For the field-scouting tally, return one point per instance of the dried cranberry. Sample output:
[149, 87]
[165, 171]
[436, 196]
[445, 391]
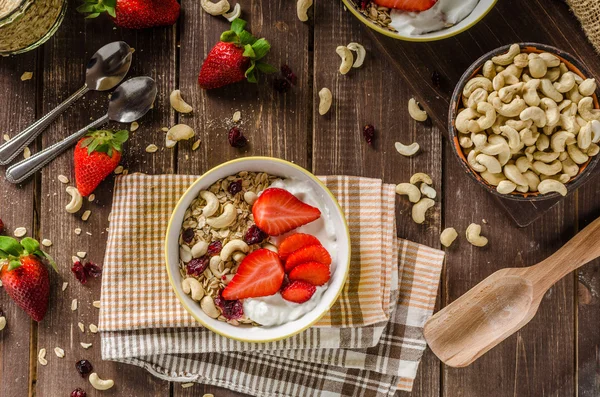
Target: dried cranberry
[196, 266]
[369, 133]
[79, 272]
[79, 392]
[235, 187]
[93, 270]
[236, 138]
[281, 85]
[1, 226]
[215, 248]
[286, 71]
[436, 78]
[364, 4]
[84, 367]
[188, 235]
[254, 235]
[231, 310]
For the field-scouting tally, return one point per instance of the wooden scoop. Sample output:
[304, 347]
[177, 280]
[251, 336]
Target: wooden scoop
[504, 302]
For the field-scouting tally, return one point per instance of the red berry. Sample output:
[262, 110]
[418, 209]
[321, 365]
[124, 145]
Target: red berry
[236, 138]
[312, 253]
[215, 248]
[188, 235]
[235, 187]
[254, 235]
[79, 272]
[92, 270]
[1, 226]
[231, 310]
[369, 133]
[277, 211]
[298, 291]
[407, 5]
[197, 266]
[294, 242]
[79, 392]
[286, 71]
[259, 274]
[84, 367]
[312, 272]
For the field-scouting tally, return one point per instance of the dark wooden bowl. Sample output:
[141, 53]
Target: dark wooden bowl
[574, 65]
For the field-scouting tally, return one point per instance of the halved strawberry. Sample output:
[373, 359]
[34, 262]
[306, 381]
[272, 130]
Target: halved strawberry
[278, 211]
[259, 274]
[294, 242]
[312, 272]
[312, 253]
[407, 5]
[298, 291]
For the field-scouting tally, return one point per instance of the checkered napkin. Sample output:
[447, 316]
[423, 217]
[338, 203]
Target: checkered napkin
[367, 342]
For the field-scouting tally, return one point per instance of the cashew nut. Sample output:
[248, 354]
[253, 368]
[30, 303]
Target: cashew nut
[531, 95]
[551, 185]
[231, 247]
[208, 307]
[199, 249]
[474, 235]
[558, 140]
[586, 109]
[463, 118]
[498, 82]
[76, 200]
[179, 132]
[507, 59]
[100, 384]
[428, 191]
[360, 54]
[506, 187]
[250, 197]
[212, 203]
[577, 155]
[409, 150]
[472, 160]
[565, 83]
[488, 70]
[512, 109]
[574, 95]
[479, 140]
[534, 113]
[486, 121]
[193, 286]
[225, 219]
[479, 95]
[550, 91]
[514, 139]
[546, 157]
[465, 142]
[584, 138]
[562, 178]
[592, 150]
[326, 98]
[233, 15]
[569, 167]
[343, 52]
[552, 168]
[410, 190]
[415, 110]
[213, 265]
[239, 255]
[587, 87]
[532, 180]
[595, 124]
[553, 74]
[551, 60]
[185, 253]
[506, 94]
[564, 104]
[518, 124]
[543, 143]
[477, 82]
[537, 68]
[448, 236]
[302, 7]
[528, 137]
[178, 103]
[218, 8]
[523, 164]
[421, 177]
[492, 179]
[420, 208]
[512, 172]
[552, 112]
[521, 60]
[489, 162]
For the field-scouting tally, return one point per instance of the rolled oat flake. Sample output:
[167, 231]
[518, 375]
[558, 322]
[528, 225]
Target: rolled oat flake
[26, 24]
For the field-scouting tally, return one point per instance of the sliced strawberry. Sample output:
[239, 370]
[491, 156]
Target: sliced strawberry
[312, 272]
[259, 274]
[407, 5]
[295, 242]
[298, 291]
[278, 211]
[312, 253]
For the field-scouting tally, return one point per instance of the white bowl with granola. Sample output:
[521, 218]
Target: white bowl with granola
[257, 249]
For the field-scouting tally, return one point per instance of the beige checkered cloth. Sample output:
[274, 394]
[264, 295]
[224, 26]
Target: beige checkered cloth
[369, 344]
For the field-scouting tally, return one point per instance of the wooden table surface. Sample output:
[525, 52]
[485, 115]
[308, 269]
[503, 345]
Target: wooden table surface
[555, 355]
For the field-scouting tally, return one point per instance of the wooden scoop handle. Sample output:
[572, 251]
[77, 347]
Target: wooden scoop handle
[578, 251]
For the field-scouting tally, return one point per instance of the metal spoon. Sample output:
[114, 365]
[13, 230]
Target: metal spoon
[105, 70]
[128, 103]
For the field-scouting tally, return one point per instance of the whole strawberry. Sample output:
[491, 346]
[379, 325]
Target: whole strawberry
[96, 156]
[235, 58]
[134, 14]
[24, 277]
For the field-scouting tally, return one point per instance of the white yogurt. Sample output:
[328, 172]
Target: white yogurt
[443, 14]
[274, 310]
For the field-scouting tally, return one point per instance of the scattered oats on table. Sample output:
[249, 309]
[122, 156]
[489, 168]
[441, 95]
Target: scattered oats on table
[26, 76]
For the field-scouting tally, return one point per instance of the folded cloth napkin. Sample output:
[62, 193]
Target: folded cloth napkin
[356, 347]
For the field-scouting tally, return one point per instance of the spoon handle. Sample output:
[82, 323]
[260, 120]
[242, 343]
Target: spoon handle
[22, 170]
[578, 251]
[10, 149]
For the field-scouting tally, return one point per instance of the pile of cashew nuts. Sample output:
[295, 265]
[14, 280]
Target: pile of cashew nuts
[420, 185]
[528, 123]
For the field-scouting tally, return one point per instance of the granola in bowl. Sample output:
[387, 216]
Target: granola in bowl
[255, 249]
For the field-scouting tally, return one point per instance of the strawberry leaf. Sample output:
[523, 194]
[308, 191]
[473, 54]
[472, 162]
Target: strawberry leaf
[10, 246]
[249, 51]
[261, 48]
[238, 25]
[42, 254]
[121, 136]
[13, 264]
[3, 255]
[30, 245]
[251, 74]
[230, 37]
[247, 38]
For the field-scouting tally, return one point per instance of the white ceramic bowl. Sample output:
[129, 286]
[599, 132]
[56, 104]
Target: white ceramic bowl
[339, 269]
[480, 11]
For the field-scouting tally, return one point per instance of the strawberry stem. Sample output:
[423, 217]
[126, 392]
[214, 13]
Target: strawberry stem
[105, 141]
[11, 250]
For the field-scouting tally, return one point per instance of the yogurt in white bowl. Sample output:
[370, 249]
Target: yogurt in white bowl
[309, 189]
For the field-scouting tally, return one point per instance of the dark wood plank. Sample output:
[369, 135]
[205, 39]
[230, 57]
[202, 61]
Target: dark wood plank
[275, 124]
[539, 359]
[17, 210]
[510, 21]
[65, 59]
[362, 97]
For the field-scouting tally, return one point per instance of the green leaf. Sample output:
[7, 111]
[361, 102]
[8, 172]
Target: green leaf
[246, 38]
[3, 255]
[13, 264]
[111, 11]
[229, 37]
[91, 16]
[249, 51]
[30, 245]
[121, 136]
[238, 25]
[50, 260]
[261, 48]
[84, 8]
[250, 73]
[10, 246]
[266, 68]
[92, 146]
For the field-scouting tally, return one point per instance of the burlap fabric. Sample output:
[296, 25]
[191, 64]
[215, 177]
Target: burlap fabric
[588, 13]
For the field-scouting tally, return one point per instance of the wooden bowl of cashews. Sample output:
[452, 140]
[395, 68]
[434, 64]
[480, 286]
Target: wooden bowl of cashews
[524, 122]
